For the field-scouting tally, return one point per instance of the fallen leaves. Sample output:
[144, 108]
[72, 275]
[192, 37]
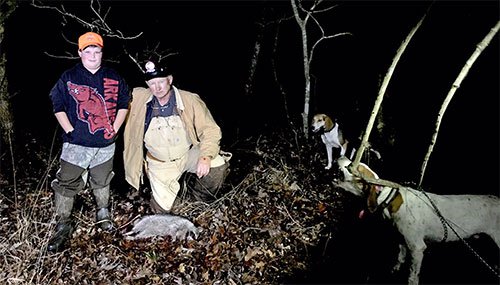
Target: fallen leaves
[272, 210]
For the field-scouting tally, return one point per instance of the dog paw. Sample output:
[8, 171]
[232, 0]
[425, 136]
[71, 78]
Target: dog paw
[328, 167]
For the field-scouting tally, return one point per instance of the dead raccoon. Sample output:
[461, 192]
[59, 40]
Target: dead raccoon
[163, 225]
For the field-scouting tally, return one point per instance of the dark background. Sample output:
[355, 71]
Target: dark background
[214, 42]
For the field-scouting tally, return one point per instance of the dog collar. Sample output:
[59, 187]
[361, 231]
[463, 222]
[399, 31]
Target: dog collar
[330, 130]
[394, 200]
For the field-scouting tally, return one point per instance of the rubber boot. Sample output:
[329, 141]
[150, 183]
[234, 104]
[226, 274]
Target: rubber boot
[64, 229]
[103, 217]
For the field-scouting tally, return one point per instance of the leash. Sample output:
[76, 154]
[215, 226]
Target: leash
[441, 217]
[446, 225]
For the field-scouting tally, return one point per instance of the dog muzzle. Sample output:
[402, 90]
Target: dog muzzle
[315, 130]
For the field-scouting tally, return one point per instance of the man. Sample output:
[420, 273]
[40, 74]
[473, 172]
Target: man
[179, 135]
[90, 102]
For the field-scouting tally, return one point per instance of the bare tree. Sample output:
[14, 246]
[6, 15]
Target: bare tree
[255, 55]
[275, 70]
[380, 97]
[303, 16]
[98, 22]
[378, 102]
[7, 7]
[465, 70]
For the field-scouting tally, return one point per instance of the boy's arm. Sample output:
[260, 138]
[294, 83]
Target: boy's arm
[63, 120]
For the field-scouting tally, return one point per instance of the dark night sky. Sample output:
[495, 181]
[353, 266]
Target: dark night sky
[215, 42]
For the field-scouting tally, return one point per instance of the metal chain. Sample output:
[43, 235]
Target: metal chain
[443, 221]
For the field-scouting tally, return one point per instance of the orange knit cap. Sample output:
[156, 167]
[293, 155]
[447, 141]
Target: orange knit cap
[88, 39]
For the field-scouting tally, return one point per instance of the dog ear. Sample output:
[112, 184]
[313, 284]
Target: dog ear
[372, 199]
[329, 124]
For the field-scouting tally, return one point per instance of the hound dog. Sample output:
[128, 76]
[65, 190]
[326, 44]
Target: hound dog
[331, 135]
[351, 183]
[415, 217]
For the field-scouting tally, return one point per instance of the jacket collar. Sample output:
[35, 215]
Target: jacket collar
[178, 99]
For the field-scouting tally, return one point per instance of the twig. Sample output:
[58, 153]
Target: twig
[129, 222]
[13, 167]
[290, 216]
[364, 143]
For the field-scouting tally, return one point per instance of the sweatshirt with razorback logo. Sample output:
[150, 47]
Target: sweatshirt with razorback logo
[91, 102]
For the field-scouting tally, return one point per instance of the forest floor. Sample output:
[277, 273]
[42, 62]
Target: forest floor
[279, 220]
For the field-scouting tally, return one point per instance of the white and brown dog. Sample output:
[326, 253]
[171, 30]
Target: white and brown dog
[419, 222]
[352, 183]
[331, 135]
[415, 217]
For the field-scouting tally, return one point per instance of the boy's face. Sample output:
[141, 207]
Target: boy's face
[91, 57]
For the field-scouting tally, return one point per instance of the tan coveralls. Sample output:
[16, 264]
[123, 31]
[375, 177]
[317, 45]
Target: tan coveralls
[173, 143]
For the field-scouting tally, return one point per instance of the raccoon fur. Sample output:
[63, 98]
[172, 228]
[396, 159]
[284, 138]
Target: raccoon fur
[176, 227]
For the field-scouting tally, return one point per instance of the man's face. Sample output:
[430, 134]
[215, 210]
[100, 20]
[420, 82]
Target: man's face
[160, 86]
[91, 57]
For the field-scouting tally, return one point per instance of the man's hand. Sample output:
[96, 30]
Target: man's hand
[203, 166]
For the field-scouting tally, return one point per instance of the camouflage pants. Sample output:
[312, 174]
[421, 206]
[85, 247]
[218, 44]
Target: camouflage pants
[79, 164]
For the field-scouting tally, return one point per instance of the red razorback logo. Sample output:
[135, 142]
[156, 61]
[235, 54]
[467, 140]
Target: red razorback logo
[91, 109]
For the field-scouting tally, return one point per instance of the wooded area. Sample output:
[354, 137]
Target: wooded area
[280, 220]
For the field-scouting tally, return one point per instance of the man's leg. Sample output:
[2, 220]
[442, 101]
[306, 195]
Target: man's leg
[206, 189]
[163, 178]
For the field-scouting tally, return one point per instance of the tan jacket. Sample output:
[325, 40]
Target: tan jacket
[200, 126]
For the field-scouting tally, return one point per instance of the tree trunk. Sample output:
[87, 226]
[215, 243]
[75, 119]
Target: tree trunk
[255, 58]
[6, 122]
[479, 48]
[306, 61]
[380, 97]
[7, 7]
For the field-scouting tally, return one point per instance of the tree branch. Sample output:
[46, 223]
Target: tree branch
[364, 143]
[479, 49]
